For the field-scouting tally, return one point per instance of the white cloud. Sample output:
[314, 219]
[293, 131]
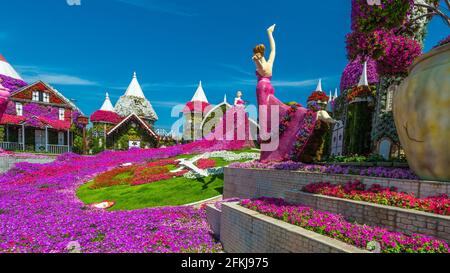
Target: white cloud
[34, 73]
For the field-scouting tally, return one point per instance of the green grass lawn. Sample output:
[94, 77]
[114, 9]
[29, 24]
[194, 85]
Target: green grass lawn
[173, 192]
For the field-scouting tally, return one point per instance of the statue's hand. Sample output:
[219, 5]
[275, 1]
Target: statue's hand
[271, 29]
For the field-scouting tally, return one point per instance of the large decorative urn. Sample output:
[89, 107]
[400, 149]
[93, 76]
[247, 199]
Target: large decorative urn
[422, 115]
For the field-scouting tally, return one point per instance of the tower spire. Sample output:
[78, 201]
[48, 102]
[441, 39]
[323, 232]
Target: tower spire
[319, 86]
[107, 105]
[363, 81]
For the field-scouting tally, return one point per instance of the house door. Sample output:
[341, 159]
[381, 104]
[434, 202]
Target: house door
[39, 140]
[61, 138]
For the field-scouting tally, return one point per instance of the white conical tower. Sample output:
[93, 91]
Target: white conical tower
[335, 93]
[7, 70]
[200, 94]
[319, 86]
[107, 105]
[363, 81]
[134, 89]
[330, 98]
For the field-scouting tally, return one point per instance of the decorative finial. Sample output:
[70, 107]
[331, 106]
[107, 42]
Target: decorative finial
[134, 75]
[335, 93]
[107, 95]
[330, 98]
[363, 81]
[225, 98]
[319, 85]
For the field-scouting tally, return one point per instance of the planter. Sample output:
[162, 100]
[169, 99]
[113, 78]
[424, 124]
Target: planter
[247, 231]
[213, 215]
[402, 220]
[422, 114]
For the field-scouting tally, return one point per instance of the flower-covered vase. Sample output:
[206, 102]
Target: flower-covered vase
[422, 114]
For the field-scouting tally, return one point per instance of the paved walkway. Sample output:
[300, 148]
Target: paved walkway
[7, 162]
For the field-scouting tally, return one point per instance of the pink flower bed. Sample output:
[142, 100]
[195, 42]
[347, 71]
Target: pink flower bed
[335, 226]
[105, 116]
[39, 210]
[355, 190]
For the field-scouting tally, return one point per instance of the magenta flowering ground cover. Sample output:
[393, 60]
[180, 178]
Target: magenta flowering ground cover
[387, 172]
[39, 211]
[335, 226]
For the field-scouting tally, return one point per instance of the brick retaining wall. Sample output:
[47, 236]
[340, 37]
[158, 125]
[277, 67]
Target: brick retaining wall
[254, 183]
[213, 216]
[392, 218]
[246, 231]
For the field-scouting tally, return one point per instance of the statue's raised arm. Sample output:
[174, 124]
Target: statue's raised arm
[270, 31]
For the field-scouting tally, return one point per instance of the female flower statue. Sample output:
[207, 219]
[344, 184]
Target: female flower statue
[297, 123]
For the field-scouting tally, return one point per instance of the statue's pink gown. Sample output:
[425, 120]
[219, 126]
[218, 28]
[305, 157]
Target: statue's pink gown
[298, 124]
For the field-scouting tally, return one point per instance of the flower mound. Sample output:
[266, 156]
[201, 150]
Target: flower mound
[105, 116]
[384, 196]
[39, 211]
[335, 226]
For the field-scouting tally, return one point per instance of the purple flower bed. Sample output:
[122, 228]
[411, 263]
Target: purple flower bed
[11, 84]
[396, 173]
[335, 226]
[39, 210]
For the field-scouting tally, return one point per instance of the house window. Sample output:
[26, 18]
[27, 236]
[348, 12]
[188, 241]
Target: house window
[19, 109]
[35, 96]
[61, 113]
[46, 97]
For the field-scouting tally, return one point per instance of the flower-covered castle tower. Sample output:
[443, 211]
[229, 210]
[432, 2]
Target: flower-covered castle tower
[194, 113]
[318, 99]
[103, 120]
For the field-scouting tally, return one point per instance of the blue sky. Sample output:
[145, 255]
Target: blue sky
[87, 50]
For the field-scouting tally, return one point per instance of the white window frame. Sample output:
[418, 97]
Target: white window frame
[35, 96]
[19, 109]
[46, 97]
[62, 112]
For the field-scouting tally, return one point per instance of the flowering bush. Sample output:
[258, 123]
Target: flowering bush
[393, 53]
[362, 92]
[395, 173]
[11, 84]
[352, 72]
[355, 190]
[39, 210]
[391, 14]
[105, 116]
[318, 96]
[336, 227]
[399, 54]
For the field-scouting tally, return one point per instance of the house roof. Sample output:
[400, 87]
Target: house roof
[67, 101]
[35, 121]
[136, 117]
[199, 94]
[134, 89]
[107, 105]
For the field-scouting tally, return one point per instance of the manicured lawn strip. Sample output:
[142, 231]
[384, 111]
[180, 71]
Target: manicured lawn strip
[174, 192]
[335, 226]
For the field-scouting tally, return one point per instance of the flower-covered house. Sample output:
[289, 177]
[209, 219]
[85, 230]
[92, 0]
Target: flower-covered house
[129, 124]
[38, 118]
